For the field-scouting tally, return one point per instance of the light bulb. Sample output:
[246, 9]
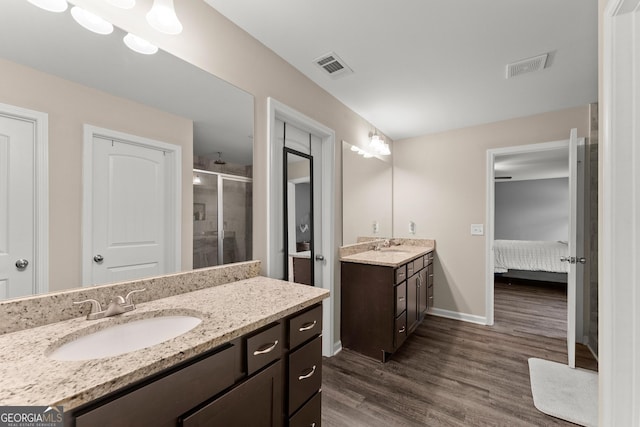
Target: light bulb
[91, 21]
[140, 45]
[163, 18]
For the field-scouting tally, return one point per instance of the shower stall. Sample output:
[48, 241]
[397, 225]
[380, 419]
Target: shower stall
[222, 218]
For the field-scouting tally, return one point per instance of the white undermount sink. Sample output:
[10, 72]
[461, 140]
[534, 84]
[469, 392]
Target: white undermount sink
[125, 337]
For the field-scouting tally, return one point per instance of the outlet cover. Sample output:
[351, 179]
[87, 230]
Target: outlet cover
[477, 229]
[412, 227]
[376, 227]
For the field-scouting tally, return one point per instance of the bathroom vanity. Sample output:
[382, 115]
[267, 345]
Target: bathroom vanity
[384, 296]
[255, 359]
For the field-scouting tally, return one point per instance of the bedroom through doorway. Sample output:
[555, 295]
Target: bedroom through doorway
[529, 229]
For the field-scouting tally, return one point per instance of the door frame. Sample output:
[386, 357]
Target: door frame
[278, 110]
[173, 201]
[490, 215]
[619, 206]
[40, 122]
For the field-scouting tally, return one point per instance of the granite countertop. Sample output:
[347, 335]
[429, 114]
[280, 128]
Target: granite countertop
[393, 256]
[29, 377]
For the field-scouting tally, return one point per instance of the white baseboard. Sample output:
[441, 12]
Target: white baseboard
[593, 352]
[337, 347]
[471, 318]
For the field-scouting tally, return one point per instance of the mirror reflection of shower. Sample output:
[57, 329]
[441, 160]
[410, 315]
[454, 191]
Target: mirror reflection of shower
[222, 216]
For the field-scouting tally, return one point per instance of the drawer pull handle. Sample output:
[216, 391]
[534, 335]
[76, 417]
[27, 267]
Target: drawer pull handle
[307, 326]
[305, 376]
[401, 331]
[266, 350]
[401, 299]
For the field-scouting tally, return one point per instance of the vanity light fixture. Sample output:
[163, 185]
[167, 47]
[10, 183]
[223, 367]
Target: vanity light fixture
[378, 146]
[122, 4]
[140, 45]
[163, 18]
[50, 5]
[91, 21]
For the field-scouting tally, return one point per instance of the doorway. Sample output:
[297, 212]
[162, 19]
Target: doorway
[323, 200]
[548, 253]
[24, 204]
[131, 207]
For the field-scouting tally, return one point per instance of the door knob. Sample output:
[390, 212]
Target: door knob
[98, 258]
[582, 260]
[22, 263]
[319, 258]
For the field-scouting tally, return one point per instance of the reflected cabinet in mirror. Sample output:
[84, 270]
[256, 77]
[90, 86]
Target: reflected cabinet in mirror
[98, 148]
[366, 196]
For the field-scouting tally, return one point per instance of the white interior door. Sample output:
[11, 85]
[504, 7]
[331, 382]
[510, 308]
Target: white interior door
[128, 211]
[572, 248]
[17, 207]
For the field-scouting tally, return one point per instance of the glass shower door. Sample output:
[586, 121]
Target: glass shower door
[222, 219]
[236, 220]
[205, 220]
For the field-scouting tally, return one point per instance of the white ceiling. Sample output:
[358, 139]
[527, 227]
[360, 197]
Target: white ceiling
[424, 66]
[537, 165]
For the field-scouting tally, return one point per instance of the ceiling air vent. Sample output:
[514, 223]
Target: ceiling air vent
[528, 65]
[333, 65]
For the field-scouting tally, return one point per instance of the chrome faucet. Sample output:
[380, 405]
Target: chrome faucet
[117, 305]
[384, 244]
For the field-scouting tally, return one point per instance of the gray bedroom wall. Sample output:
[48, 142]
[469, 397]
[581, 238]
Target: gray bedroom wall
[532, 210]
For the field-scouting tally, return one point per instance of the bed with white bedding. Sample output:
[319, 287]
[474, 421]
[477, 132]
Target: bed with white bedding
[531, 256]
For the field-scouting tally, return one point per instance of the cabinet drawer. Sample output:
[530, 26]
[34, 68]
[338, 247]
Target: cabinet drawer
[418, 263]
[410, 269]
[400, 331]
[401, 298]
[158, 404]
[305, 326]
[401, 273]
[310, 415]
[256, 402]
[305, 373]
[263, 348]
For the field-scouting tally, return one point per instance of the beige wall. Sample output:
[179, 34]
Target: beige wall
[70, 106]
[439, 182]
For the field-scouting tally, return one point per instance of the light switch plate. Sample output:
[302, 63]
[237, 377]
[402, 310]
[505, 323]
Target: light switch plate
[412, 227]
[477, 229]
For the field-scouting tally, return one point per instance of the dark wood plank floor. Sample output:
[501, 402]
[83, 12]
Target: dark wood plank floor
[452, 373]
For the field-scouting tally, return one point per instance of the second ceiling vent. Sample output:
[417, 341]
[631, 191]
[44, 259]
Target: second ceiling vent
[528, 65]
[333, 65]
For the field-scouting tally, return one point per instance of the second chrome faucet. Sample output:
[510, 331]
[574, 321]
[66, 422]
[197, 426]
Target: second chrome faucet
[117, 305]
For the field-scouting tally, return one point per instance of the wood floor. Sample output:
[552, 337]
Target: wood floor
[452, 373]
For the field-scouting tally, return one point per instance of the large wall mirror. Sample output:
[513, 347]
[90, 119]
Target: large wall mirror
[366, 195]
[52, 65]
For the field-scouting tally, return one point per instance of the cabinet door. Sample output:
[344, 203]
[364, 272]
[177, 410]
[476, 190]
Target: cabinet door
[161, 402]
[412, 302]
[257, 402]
[422, 292]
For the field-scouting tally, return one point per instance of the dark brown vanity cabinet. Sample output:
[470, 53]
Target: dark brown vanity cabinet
[269, 378]
[381, 306]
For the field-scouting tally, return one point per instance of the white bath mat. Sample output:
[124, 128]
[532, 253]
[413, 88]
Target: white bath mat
[562, 392]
